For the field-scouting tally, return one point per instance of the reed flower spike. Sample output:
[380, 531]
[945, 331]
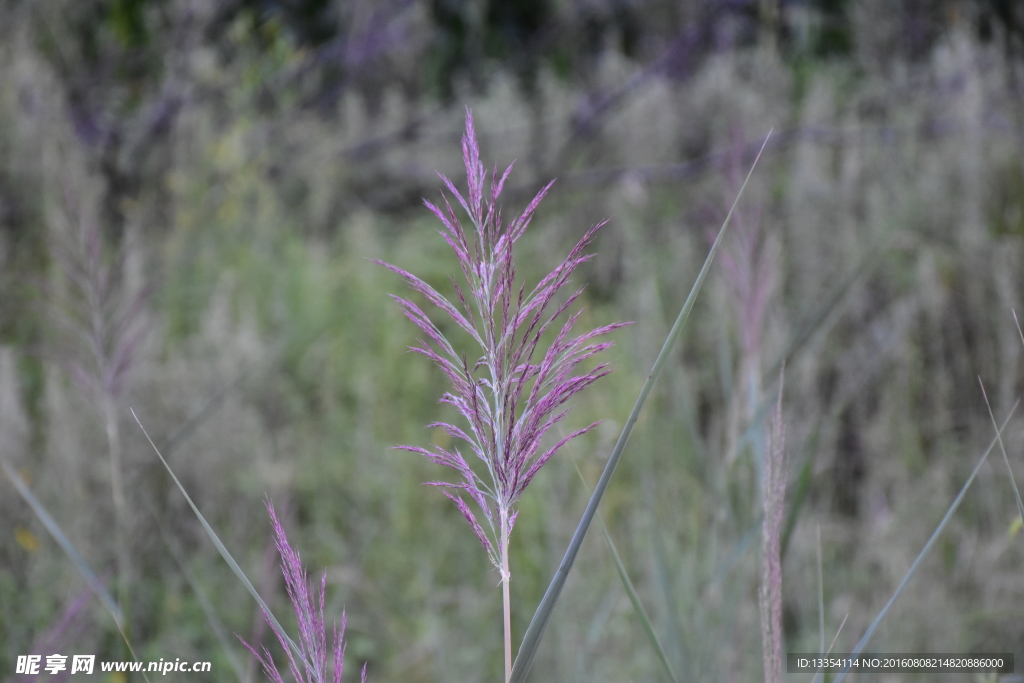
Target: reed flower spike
[311, 666]
[515, 390]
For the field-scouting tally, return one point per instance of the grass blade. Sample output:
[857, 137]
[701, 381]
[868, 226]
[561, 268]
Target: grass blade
[220, 547]
[1006, 459]
[66, 545]
[204, 601]
[627, 583]
[931, 541]
[680, 653]
[71, 551]
[535, 631]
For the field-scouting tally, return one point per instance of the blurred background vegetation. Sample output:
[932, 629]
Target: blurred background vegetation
[190, 191]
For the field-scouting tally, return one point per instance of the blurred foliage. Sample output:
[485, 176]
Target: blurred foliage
[248, 158]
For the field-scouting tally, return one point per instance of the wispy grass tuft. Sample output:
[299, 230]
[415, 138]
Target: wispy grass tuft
[311, 649]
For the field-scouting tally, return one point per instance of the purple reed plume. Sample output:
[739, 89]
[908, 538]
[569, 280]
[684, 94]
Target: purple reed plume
[508, 398]
[312, 641]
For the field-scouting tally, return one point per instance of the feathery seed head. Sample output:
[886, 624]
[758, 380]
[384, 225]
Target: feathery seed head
[516, 390]
[312, 641]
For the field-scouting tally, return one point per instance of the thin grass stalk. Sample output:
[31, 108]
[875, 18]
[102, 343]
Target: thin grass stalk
[66, 545]
[235, 568]
[1002, 449]
[821, 595]
[927, 546]
[674, 628]
[750, 272]
[71, 551]
[535, 631]
[201, 597]
[634, 598]
[506, 602]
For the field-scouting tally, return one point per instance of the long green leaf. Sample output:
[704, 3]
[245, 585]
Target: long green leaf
[71, 551]
[220, 547]
[1006, 459]
[931, 541]
[204, 601]
[627, 583]
[66, 545]
[535, 631]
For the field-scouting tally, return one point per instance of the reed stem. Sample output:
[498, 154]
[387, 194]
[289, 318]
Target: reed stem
[506, 602]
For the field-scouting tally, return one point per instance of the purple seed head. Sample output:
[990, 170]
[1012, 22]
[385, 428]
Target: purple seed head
[516, 389]
[311, 666]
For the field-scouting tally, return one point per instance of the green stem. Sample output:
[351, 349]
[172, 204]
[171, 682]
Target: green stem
[113, 431]
[506, 602]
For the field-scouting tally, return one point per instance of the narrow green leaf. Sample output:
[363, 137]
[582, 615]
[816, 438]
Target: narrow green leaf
[71, 551]
[627, 583]
[534, 632]
[204, 601]
[931, 541]
[1006, 459]
[66, 545]
[674, 627]
[220, 547]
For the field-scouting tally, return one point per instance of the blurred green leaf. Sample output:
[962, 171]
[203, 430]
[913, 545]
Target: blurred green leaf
[535, 631]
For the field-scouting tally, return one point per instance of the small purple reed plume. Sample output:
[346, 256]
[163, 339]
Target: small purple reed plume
[509, 398]
[312, 641]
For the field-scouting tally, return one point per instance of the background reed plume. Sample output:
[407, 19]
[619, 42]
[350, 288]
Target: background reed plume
[514, 392]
